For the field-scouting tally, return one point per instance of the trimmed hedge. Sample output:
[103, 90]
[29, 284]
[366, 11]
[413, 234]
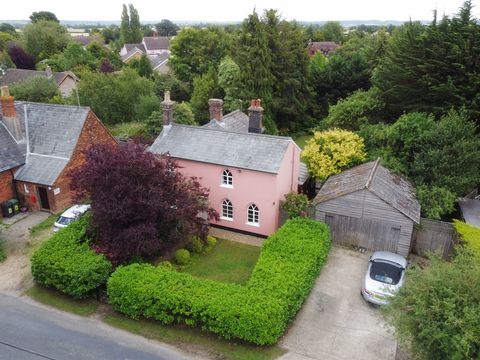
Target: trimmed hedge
[470, 235]
[257, 312]
[66, 262]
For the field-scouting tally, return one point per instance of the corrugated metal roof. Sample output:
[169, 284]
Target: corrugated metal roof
[241, 150]
[234, 121]
[389, 187]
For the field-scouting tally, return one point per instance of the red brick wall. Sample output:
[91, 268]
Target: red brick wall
[93, 132]
[28, 195]
[6, 186]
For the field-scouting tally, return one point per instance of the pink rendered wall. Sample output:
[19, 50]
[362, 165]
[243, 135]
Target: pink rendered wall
[264, 189]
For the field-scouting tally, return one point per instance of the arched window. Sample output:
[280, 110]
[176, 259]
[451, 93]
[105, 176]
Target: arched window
[227, 178]
[227, 209]
[253, 215]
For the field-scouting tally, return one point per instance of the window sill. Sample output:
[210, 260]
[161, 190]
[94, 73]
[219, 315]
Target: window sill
[252, 224]
[225, 218]
[226, 186]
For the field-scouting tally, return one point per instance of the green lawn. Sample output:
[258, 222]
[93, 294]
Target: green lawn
[191, 339]
[63, 302]
[302, 140]
[46, 224]
[128, 129]
[229, 261]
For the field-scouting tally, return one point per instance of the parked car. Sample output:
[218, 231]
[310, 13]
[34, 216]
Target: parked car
[384, 277]
[69, 216]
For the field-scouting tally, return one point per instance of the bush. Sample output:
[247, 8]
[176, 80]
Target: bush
[66, 262]
[196, 245]
[182, 256]
[470, 235]
[3, 254]
[294, 205]
[258, 312]
[437, 311]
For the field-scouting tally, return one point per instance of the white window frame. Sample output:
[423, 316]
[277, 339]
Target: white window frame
[227, 210]
[227, 179]
[253, 212]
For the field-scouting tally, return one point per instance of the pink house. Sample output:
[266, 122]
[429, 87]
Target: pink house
[248, 173]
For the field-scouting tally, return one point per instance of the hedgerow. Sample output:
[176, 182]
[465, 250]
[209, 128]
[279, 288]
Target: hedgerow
[257, 312]
[66, 262]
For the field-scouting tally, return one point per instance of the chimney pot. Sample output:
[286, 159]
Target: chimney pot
[255, 117]
[48, 71]
[167, 105]
[216, 109]
[5, 91]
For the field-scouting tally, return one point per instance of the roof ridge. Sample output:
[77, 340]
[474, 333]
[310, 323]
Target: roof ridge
[234, 132]
[20, 102]
[372, 173]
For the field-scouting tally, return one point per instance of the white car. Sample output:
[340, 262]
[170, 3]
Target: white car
[384, 277]
[69, 216]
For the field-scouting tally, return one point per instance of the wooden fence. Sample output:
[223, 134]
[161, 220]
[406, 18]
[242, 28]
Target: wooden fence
[434, 236]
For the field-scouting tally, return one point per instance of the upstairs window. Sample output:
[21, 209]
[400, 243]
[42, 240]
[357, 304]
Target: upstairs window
[227, 209]
[253, 214]
[227, 178]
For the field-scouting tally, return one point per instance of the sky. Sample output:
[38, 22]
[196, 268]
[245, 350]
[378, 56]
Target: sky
[227, 10]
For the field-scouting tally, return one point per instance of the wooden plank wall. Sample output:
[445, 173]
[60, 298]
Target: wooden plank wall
[434, 236]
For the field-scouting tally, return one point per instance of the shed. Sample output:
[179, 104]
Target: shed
[368, 206]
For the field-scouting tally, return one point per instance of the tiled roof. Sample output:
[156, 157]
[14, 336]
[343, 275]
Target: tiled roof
[240, 150]
[139, 46]
[87, 39]
[234, 121]
[53, 132]
[13, 76]
[156, 42]
[131, 52]
[157, 60]
[389, 187]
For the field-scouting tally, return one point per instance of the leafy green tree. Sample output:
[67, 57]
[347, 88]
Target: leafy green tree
[295, 205]
[195, 51]
[229, 76]
[135, 27]
[166, 28]
[205, 87]
[125, 26]
[329, 152]
[179, 90]
[113, 96]
[182, 114]
[37, 89]
[44, 39]
[143, 66]
[5, 40]
[436, 313]
[111, 33]
[73, 56]
[43, 16]
[7, 28]
[435, 201]
[360, 108]
[145, 105]
[330, 31]
[5, 62]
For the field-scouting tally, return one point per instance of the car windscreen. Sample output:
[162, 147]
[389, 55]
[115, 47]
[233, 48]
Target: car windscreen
[385, 272]
[62, 220]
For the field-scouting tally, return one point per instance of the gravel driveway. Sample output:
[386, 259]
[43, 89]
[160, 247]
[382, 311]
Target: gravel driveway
[335, 322]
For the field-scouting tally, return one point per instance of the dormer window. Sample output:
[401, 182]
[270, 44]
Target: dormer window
[227, 178]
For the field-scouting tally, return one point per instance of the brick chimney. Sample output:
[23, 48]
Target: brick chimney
[167, 106]
[9, 114]
[216, 109]
[255, 116]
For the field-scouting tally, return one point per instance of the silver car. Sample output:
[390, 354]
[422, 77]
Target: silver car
[384, 277]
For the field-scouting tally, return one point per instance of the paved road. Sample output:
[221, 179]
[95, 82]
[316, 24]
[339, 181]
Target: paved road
[33, 332]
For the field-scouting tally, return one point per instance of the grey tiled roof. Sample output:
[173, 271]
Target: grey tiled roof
[131, 52]
[241, 150]
[139, 46]
[389, 187]
[42, 170]
[234, 121]
[12, 154]
[156, 42]
[302, 173]
[13, 76]
[87, 39]
[53, 132]
[157, 60]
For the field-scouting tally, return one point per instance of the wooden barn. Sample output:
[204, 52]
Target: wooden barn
[370, 207]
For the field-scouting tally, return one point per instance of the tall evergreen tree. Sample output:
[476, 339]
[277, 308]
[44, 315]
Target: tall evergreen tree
[125, 26]
[135, 27]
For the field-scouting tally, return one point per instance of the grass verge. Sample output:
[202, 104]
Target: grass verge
[302, 140]
[63, 302]
[128, 129]
[189, 339]
[46, 224]
[229, 261]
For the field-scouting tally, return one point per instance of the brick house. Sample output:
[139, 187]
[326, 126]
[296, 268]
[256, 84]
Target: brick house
[325, 47]
[247, 172]
[39, 145]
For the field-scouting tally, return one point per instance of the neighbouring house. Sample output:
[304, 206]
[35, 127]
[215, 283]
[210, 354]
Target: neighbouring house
[39, 145]
[325, 47]
[85, 40]
[66, 81]
[248, 173]
[368, 206]
[157, 48]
